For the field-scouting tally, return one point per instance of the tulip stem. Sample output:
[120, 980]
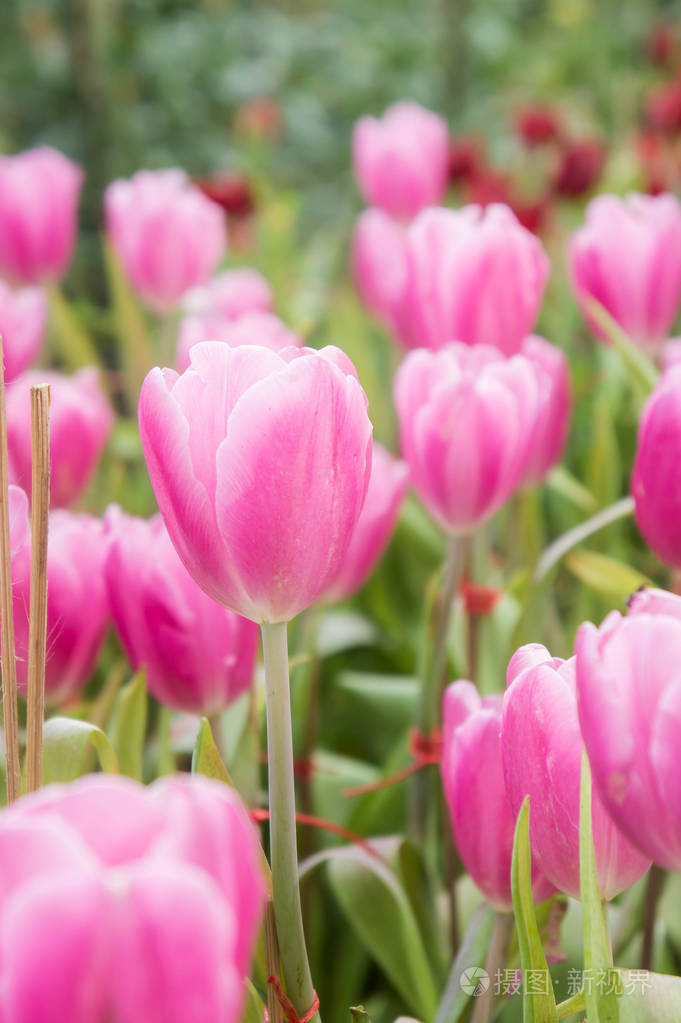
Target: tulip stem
[283, 846]
[496, 958]
[654, 886]
[435, 670]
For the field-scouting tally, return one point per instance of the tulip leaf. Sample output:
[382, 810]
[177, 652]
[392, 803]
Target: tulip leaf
[66, 742]
[136, 347]
[253, 1011]
[612, 579]
[206, 759]
[539, 1003]
[420, 892]
[638, 366]
[376, 906]
[649, 997]
[566, 485]
[128, 726]
[471, 955]
[602, 983]
[75, 346]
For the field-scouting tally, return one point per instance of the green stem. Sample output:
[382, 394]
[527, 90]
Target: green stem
[496, 958]
[283, 847]
[654, 887]
[571, 1006]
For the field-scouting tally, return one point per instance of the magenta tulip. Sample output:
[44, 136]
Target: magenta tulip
[473, 780]
[542, 755]
[39, 192]
[77, 603]
[628, 258]
[81, 420]
[402, 159]
[261, 495]
[160, 927]
[555, 397]
[379, 264]
[198, 656]
[22, 324]
[467, 425]
[167, 235]
[656, 477]
[231, 294]
[264, 329]
[629, 686]
[387, 487]
[473, 275]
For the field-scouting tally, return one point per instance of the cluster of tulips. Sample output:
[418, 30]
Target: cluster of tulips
[273, 497]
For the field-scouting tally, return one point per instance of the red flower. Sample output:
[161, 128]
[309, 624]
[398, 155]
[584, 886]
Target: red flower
[231, 191]
[465, 158]
[661, 43]
[580, 167]
[537, 125]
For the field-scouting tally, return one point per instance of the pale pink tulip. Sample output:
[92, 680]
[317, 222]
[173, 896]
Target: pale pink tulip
[402, 159]
[22, 324]
[260, 462]
[555, 398]
[231, 294]
[39, 192]
[627, 257]
[264, 329]
[379, 263]
[167, 235]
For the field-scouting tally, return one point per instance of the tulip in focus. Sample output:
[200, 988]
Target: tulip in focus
[627, 257]
[264, 329]
[473, 275]
[39, 192]
[542, 755]
[167, 235]
[198, 656]
[629, 689]
[402, 159]
[387, 488]
[379, 263]
[260, 463]
[22, 323]
[555, 397]
[81, 420]
[155, 895]
[468, 424]
[473, 780]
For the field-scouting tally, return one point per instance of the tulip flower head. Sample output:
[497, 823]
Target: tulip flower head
[555, 399]
[22, 323]
[379, 264]
[264, 329]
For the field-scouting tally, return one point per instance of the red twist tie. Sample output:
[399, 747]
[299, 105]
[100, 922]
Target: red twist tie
[287, 1005]
[479, 601]
[424, 750]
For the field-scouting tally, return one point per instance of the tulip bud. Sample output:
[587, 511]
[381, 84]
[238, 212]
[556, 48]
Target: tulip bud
[402, 159]
[22, 323]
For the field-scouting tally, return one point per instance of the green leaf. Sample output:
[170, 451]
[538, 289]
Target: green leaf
[377, 908]
[135, 344]
[566, 485]
[419, 890]
[128, 726]
[206, 758]
[612, 579]
[253, 1011]
[66, 743]
[649, 997]
[640, 369]
[601, 1001]
[75, 346]
[472, 954]
[539, 1005]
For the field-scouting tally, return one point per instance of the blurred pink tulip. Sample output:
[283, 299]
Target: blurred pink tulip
[198, 656]
[671, 353]
[473, 780]
[379, 263]
[81, 420]
[629, 687]
[39, 192]
[468, 419]
[555, 397]
[388, 485]
[168, 236]
[260, 463]
[22, 324]
[627, 257]
[656, 476]
[231, 294]
[542, 755]
[402, 159]
[473, 275]
[162, 932]
[77, 603]
[264, 329]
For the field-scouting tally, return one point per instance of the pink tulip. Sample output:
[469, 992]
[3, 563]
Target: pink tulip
[467, 426]
[402, 160]
[628, 258]
[22, 324]
[473, 780]
[260, 462]
[77, 603]
[542, 755]
[162, 931]
[39, 192]
[198, 656]
[473, 275]
[264, 329]
[671, 353]
[168, 236]
[656, 477]
[379, 263]
[555, 393]
[629, 690]
[388, 485]
[81, 420]
[231, 294]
